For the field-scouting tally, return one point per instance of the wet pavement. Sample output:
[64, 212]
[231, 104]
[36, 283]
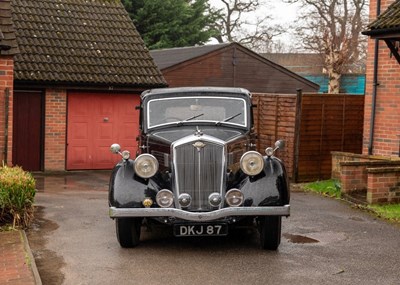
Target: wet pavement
[75, 183]
[75, 180]
[325, 241]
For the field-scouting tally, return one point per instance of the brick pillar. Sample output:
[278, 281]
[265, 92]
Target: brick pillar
[6, 87]
[55, 129]
[383, 185]
[354, 176]
[386, 140]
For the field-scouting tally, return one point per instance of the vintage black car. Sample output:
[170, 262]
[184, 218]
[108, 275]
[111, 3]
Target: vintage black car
[197, 169]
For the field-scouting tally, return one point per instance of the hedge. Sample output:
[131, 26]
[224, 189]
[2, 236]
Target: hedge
[17, 193]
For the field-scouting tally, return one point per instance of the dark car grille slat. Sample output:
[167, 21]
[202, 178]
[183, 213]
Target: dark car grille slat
[199, 172]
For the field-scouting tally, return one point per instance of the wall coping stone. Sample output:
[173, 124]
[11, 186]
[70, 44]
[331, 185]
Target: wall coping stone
[384, 170]
[365, 156]
[392, 163]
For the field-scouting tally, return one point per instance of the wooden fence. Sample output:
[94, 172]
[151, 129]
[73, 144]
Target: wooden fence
[312, 125]
[274, 118]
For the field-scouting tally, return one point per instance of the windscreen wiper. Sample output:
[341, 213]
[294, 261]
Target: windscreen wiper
[190, 118]
[227, 119]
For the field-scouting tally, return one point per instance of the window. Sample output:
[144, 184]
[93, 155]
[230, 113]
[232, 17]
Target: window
[221, 110]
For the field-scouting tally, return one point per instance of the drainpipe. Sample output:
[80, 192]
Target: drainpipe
[374, 88]
[7, 100]
[234, 62]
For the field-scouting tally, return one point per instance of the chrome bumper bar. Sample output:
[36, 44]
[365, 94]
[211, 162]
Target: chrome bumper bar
[199, 216]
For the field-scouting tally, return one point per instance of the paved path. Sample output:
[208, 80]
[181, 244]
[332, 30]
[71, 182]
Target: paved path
[15, 259]
[324, 241]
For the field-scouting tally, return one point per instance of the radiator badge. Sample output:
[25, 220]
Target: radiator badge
[199, 145]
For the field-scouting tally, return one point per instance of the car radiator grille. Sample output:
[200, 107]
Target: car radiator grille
[199, 172]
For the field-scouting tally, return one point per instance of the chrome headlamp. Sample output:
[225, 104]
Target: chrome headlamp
[146, 165]
[234, 197]
[165, 198]
[126, 154]
[269, 151]
[252, 163]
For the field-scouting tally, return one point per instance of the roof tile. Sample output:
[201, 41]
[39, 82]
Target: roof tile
[388, 19]
[7, 32]
[80, 41]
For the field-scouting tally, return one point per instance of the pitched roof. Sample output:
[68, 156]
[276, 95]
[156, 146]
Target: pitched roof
[8, 42]
[80, 41]
[165, 58]
[387, 23]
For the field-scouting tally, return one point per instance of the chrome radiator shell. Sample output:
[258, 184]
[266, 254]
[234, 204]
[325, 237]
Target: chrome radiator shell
[199, 167]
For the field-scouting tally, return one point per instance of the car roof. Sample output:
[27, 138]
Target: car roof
[185, 90]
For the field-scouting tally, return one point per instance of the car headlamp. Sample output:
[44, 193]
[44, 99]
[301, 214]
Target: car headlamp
[252, 163]
[234, 197]
[269, 151]
[146, 165]
[126, 154]
[165, 198]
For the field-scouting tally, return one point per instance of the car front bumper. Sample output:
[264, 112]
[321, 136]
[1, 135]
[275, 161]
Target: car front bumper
[200, 216]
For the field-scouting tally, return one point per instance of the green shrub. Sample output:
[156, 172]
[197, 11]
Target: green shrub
[17, 193]
[329, 188]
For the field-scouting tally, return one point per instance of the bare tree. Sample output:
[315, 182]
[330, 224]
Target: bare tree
[238, 20]
[333, 28]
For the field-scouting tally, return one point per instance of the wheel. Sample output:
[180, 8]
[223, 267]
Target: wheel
[270, 232]
[128, 231]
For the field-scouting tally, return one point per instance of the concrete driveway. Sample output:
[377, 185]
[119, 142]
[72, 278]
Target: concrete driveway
[325, 241]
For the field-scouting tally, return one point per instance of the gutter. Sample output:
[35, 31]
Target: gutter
[375, 32]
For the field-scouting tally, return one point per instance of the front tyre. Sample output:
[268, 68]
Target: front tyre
[128, 231]
[270, 232]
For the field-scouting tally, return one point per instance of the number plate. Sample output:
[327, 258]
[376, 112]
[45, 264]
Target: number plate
[187, 230]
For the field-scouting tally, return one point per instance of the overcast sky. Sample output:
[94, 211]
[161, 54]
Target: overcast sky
[283, 13]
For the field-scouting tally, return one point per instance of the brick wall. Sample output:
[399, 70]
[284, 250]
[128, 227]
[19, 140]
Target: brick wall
[354, 177]
[378, 176]
[55, 130]
[383, 185]
[6, 83]
[387, 128]
[346, 158]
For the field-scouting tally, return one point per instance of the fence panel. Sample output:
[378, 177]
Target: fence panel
[312, 125]
[329, 122]
[274, 117]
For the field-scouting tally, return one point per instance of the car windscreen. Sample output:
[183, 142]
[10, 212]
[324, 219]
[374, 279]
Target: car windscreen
[204, 109]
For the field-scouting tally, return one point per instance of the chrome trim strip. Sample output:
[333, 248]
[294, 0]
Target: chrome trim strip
[193, 138]
[199, 216]
[199, 170]
[227, 98]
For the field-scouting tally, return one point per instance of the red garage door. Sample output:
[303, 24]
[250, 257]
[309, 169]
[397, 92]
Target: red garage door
[97, 120]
